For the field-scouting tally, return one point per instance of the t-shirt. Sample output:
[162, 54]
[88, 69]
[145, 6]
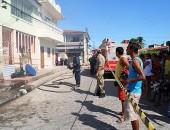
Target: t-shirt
[167, 66]
[156, 69]
[119, 68]
[148, 68]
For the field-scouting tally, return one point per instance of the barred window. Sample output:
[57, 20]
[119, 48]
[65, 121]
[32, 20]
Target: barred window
[25, 42]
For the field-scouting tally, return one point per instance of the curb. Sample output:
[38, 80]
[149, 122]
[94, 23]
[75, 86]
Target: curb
[43, 80]
[15, 92]
[52, 71]
[12, 86]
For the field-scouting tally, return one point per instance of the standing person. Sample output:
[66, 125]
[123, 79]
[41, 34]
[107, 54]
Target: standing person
[122, 64]
[162, 62]
[76, 70]
[92, 61]
[148, 74]
[100, 61]
[167, 67]
[142, 56]
[156, 67]
[59, 60]
[135, 77]
[56, 61]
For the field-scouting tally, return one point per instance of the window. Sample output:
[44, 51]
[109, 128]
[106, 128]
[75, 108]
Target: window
[17, 41]
[34, 44]
[76, 39]
[24, 42]
[48, 52]
[53, 51]
[23, 9]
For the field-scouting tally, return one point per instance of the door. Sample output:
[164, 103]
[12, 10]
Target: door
[42, 57]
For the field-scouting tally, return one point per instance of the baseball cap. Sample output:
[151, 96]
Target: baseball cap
[99, 50]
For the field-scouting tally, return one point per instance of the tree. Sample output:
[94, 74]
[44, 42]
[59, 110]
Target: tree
[133, 40]
[139, 40]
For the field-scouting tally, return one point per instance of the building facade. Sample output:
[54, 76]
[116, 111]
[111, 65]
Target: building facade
[75, 43]
[29, 26]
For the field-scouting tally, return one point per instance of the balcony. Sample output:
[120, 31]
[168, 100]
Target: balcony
[49, 31]
[53, 8]
[69, 45]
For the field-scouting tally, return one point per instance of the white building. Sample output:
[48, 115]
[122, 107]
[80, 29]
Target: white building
[29, 25]
[75, 42]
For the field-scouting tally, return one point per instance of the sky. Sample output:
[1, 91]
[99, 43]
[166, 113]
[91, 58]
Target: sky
[118, 19]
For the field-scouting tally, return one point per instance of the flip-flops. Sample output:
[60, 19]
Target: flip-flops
[120, 120]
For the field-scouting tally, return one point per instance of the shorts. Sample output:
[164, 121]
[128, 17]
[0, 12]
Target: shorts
[121, 94]
[129, 112]
[148, 77]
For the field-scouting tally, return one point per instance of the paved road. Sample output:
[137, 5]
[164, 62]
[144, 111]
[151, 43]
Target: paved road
[55, 106]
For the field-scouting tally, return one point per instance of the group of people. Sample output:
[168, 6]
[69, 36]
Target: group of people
[132, 82]
[140, 70]
[97, 63]
[60, 61]
[157, 72]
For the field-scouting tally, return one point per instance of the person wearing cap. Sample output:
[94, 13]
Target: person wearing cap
[120, 67]
[100, 61]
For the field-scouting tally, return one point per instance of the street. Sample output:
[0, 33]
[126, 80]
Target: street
[56, 106]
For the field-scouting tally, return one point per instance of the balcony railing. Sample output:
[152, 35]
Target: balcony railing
[50, 31]
[52, 2]
[53, 27]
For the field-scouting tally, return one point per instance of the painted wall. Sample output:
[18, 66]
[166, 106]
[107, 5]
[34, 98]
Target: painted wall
[46, 34]
[48, 61]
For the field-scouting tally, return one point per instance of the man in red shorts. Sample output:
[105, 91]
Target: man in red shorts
[121, 65]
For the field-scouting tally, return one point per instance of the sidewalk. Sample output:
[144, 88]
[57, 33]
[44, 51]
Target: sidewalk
[14, 88]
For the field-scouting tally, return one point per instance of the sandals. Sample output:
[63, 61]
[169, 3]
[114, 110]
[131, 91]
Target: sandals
[120, 120]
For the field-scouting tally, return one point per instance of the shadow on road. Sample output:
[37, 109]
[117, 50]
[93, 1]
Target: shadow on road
[90, 120]
[110, 89]
[84, 92]
[93, 108]
[159, 110]
[86, 72]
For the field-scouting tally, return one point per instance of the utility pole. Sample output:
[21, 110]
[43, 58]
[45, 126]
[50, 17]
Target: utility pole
[93, 44]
